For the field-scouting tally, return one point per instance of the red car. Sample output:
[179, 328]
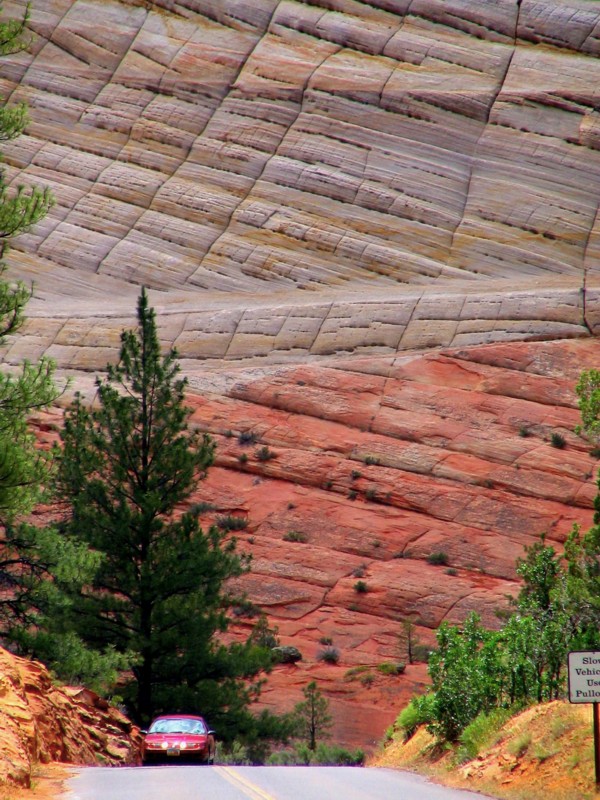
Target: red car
[179, 738]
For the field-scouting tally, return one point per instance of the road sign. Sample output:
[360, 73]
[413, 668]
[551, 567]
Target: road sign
[584, 687]
[584, 677]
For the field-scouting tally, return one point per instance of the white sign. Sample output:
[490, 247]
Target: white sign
[584, 677]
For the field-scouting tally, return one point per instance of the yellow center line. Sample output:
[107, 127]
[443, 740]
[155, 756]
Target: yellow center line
[247, 787]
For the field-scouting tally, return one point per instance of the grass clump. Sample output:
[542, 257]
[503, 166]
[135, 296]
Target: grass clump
[520, 745]
[481, 733]
[330, 655]
[231, 523]
[558, 440]
[361, 587]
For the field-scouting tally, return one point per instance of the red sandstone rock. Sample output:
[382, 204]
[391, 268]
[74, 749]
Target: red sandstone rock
[41, 722]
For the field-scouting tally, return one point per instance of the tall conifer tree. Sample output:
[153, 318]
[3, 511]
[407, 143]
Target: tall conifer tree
[127, 465]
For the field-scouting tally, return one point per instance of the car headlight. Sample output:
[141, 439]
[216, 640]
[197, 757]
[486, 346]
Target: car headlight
[182, 745]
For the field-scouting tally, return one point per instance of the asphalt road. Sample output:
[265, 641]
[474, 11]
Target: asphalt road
[254, 783]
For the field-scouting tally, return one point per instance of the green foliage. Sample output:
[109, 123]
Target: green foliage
[588, 392]
[263, 635]
[466, 676]
[23, 468]
[264, 453]
[391, 668]
[558, 440]
[324, 755]
[157, 597]
[420, 711]
[438, 558]
[481, 732]
[361, 587]
[335, 755]
[247, 437]
[311, 716]
[371, 461]
[295, 536]
[231, 523]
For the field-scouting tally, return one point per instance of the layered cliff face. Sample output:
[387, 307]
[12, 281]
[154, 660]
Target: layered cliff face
[353, 219]
[311, 178]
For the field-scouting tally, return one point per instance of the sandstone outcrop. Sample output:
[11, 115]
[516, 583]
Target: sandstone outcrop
[41, 722]
[303, 179]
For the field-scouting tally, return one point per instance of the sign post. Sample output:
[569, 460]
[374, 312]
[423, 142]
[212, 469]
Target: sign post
[584, 687]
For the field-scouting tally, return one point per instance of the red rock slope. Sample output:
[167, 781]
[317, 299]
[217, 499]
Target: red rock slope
[374, 467]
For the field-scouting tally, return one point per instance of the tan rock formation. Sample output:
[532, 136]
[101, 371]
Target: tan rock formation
[426, 172]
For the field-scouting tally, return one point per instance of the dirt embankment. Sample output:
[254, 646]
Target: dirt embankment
[544, 753]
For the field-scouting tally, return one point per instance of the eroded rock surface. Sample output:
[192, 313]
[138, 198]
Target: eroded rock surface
[300, 179]
[40, 722]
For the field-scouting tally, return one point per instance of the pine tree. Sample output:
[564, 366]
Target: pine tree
[126, 467]
[312, 718]
[23, 469]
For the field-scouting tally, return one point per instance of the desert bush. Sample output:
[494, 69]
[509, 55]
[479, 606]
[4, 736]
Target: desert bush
[391, 668]
[438, 558]
[295, 536]
[331, 655]
[361, 587]
[265, 454]
[231, 523]
[247, 437]
[557, 440]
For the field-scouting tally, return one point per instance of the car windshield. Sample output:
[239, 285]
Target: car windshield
[177, 726]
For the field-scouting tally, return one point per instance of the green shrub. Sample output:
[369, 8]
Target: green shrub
[201, 508]
[391, 668]
[524, 431]
[557, 440]
[371, 461]
[243, 458]
[264, 454]
[371, 493]
[326, 640]
[231, 523]
[334, 755]
[420, 711]
[438, 558]
[295, 536]
[355, 672]
[236, 754]
[355, 474]
[247, 437]
[361, 587]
